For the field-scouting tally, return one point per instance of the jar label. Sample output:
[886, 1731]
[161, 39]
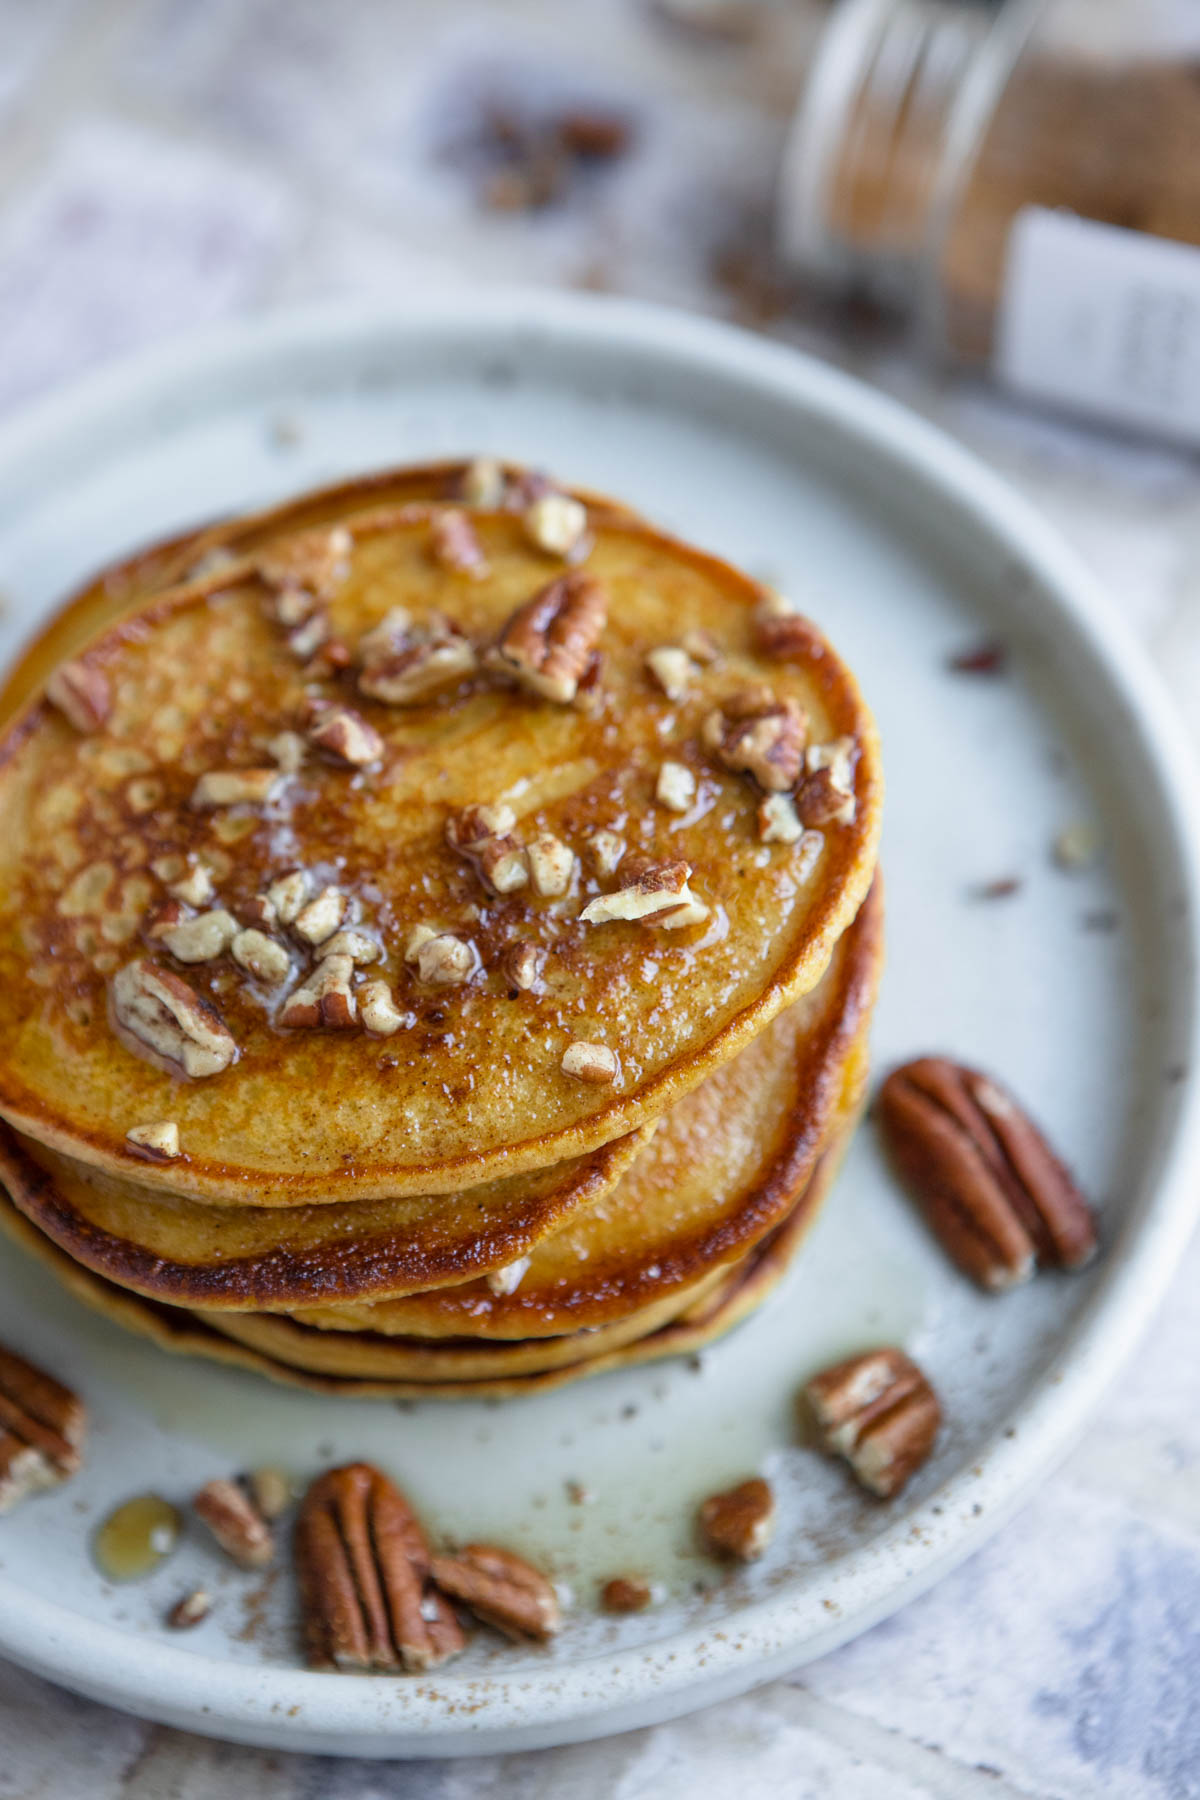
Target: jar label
[1102, 320]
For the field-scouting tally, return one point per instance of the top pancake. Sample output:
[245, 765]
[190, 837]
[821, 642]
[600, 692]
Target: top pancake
[471, 1086]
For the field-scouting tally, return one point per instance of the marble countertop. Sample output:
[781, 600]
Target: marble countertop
[167, 162]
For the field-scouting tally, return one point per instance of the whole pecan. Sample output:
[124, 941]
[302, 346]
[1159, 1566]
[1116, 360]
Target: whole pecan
[547, 643]
[170, 1018]
[364, 1571]
[878, 1412]
[501, 1589]
[42, 1425]
[990, 1186]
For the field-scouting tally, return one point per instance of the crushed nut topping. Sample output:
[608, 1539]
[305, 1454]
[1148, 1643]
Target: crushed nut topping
[196, 888]
[482, 483]
[700, 645]
[81, 694]
[548, 642]
[456, 545]
[159, 1140]
[305, 640]
[364, 1566]
[502, 863]
[378, 1010]
[780, 631]
[878, 1412]
[170, 1018]
[551, 865]
[314, 562]
[286, 897]
[625, 1594]
[346, 735]
[271, 1491]
[191, 1610]
[320, 918]
[676, 787]
[778, 820]
[234, 787]
[324, 998]
[522, 965]
[739, 1522]
[594, 1063]
[755, 733]
[672, 668]
[468, 829]
[825, 793]
[605, 850]
[42, 1427]
[419, 935]
[556, 523]
[288, 749]
[355, 944]
[261, 956]
[508, 1279]
[655, 891]
[445, 960]
[403, 664]
[236, 1523]
[501, 1589]
[201, 939]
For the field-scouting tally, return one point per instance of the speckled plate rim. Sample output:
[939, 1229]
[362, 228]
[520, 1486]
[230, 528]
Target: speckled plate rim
[614, 1691]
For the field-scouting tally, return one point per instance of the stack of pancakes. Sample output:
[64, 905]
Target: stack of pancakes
[437, 938]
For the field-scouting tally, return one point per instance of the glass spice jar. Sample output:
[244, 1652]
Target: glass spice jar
[1024, 181]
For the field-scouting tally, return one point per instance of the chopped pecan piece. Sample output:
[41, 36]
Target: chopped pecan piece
[158, 1141]
[314, 562]
[657, 891]
[625, 1594]
[288, 749]
[878, 1412]
[201, 939]
[825, 793]
[81, 694]
[502, 863]
[551, 865]
[700, 645]
[782, 633]
[482, 483]
[739, 1522]
[42, 1426]
[456, 545]
[754, 733]
[304, 641]
[361, 949]
[171, 1019]
[324, 998]
[989, 1184]
[547, 643]
[234, 787]
[363, 1564]
[378, 1010]
[236, 1523]
[778, 820]
[501, 1589]
[286, 897]
[191, 1609]
[676, 787]
[195, 888]
[672, 668]
[605, 850]
[557, 524]
[320, 918]
[444, 960]
[346, 735]
[261, 956]
[271, 1491]
[508, 1279]
[403, 664]
[522, 964]
[474, 825]
[593, 1063]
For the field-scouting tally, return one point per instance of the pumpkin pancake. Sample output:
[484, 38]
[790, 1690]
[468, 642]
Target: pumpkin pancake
[484, 987]
[729, 1154]
[705, 1320]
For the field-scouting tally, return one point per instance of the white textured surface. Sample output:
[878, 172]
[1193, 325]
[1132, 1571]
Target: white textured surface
[170, 162]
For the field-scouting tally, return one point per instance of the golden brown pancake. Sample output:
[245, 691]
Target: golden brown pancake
[472, 1087]
[726, 1160]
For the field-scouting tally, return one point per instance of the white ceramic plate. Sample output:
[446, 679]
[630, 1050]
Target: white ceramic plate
[905, 549]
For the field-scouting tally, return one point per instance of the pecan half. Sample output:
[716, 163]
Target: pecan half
[657, 892]
[81, 694]
[236, 1523]
[989, 1184]
[42, 1427]
[501, 1589]
[739, 1522]
[171, 1019]
[403, 664]
[363, 1564]
[878, 1412]
[456, 545]
[547, 643]
[755, 733]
